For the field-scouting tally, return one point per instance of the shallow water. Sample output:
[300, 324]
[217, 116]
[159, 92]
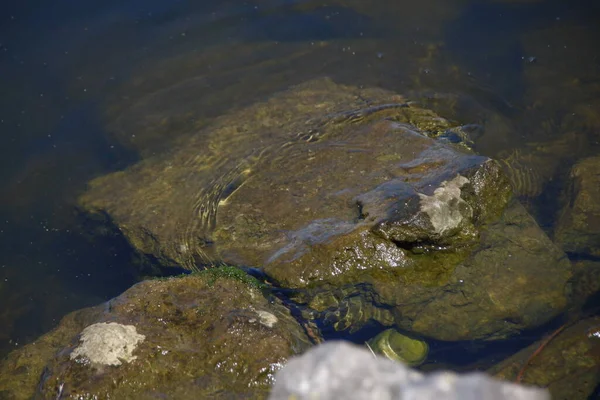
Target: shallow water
[91, 87]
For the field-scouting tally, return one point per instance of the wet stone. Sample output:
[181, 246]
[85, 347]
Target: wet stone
[326, 186]
[199, 336]
[585, 284]
[578, 227]
[569, 365]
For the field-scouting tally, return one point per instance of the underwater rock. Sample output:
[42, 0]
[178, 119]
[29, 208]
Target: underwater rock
[339, 370]
[348, 308]
[330, 186]
[535, 164]
[168, 205]
[569, 365]
[578, 227]
[515, 278]
[398, 347]
[184, 337]
[585, 284]
[170, 99]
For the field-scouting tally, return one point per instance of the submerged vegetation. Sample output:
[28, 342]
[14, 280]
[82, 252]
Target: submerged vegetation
[230, 272]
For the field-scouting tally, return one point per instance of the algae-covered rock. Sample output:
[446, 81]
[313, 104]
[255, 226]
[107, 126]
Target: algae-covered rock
[569, 365]
[347, 308]
[168, 205]
[578, 226]
[484, 296]
[515, 278]
[212, 334]
[326, 186]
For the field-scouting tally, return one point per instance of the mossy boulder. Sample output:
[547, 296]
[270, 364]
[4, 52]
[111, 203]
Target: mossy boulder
[212, 334]
[326, 185]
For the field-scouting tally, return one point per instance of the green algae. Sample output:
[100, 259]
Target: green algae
[212, 274]
[230, 272]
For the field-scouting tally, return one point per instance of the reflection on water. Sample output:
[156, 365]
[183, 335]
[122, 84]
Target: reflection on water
[91, 87]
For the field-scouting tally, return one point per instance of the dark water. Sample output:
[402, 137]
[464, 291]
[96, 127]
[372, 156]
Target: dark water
[83, 88]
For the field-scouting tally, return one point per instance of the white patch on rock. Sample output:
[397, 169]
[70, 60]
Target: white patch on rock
[267, 319]
[108, 343]
[444, 206]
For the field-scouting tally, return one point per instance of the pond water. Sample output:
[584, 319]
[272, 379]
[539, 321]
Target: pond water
[91, 87]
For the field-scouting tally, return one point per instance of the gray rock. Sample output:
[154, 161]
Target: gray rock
[108, 343]
[344, 371]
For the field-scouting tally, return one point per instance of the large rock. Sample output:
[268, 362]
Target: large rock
[167, 205]
[578, 226]
[212, 334]
[332, 186]
[344, 371]
[568, 365]
[485, 295]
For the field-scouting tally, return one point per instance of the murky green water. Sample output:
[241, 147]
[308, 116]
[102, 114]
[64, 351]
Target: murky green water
[92, 87]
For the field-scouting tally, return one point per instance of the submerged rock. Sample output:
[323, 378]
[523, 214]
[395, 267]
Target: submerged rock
[327, 186]
[578, 226]
[569, 365]
[348, 308]
[531, 167]
[172, 98]
[203, 335]
[585, 284]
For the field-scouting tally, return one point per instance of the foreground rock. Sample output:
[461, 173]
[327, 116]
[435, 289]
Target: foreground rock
[569, 365]
[344, 371]
[210, 335]
[326, 186]
[578, 227]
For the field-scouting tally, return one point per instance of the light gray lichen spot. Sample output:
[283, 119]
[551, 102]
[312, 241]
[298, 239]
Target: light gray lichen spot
[266, 318]
[445, 207]
[108, 343]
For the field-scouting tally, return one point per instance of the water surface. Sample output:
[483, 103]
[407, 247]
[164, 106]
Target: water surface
[90, 87]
